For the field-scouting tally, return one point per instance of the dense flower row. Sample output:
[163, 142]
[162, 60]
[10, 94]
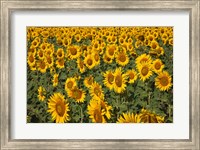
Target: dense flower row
[122, 55]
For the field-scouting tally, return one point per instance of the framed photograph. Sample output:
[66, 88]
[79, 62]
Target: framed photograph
[100, 74]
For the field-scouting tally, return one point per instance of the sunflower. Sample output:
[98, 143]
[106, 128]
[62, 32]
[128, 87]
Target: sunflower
[119, 81]
[60, 53]
[31, 59]
[147, 117]
[40, 54]
[70, 84]
[154, 45]
[132, 75]
[108, 79]
[41, 93]
[80, 65]
[122, 58]
[88, 81]
[160, 51]
[143, 58]
[163, 81]
[96, 58]
[42, 66]
[107, 59]
[35, 43]
[127, 118]
[144, 70]
[99, 111]
[157, 66]
[58, 107]
[89, 61]
[55, 79]
[49, 61]
[74, 52]
[77, 94]
[111, 50]
[60, 63]
[96, 91]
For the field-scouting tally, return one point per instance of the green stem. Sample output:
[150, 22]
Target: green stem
[81, 114]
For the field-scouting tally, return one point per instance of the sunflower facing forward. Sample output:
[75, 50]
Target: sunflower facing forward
[70, 84]
[58, 107]
[163, 81]
[132, 75]
[109, 79]
[96, 91]
[119, 81]
[77, 94]
[122, 58]
[144, 70]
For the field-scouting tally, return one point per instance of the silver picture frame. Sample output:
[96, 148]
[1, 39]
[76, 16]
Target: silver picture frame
[10, 6]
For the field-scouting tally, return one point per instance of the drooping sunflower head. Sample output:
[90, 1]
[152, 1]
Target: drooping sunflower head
[122, 58]
[157, 66]
[131, 75]
[70, 84]
[77, 94]
[55, 79]
[109, 79]
[41, 93]
[119, 81]
[96, 91]
[88, 81]
[127, 118]
[73, 52]
[146, 116]
[163, 81]
[59, 108]
[144, 70]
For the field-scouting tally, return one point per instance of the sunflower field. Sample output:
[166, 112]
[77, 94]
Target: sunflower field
[99, 74]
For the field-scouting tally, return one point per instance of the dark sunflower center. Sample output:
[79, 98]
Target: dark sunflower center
[60, 108]
[31, 58]
[73, 51]
[89, 62]
[70, 84]
[111, 51]
[110, 78]
[164, 81]
[61, 62]
[145, 71]
[56, 79]
[41, 54]
[95, 45]
[42, 65]
[122, 57]
[43, 47]
[97, 91]
[97, 116]
[118, 80]
[157, 66]
[60, 54]
[81, 64]
[49, 60]
[90, 81]
[131, 75]
[108, 58]
[96, 57]
[154, 45]
[77, 94]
